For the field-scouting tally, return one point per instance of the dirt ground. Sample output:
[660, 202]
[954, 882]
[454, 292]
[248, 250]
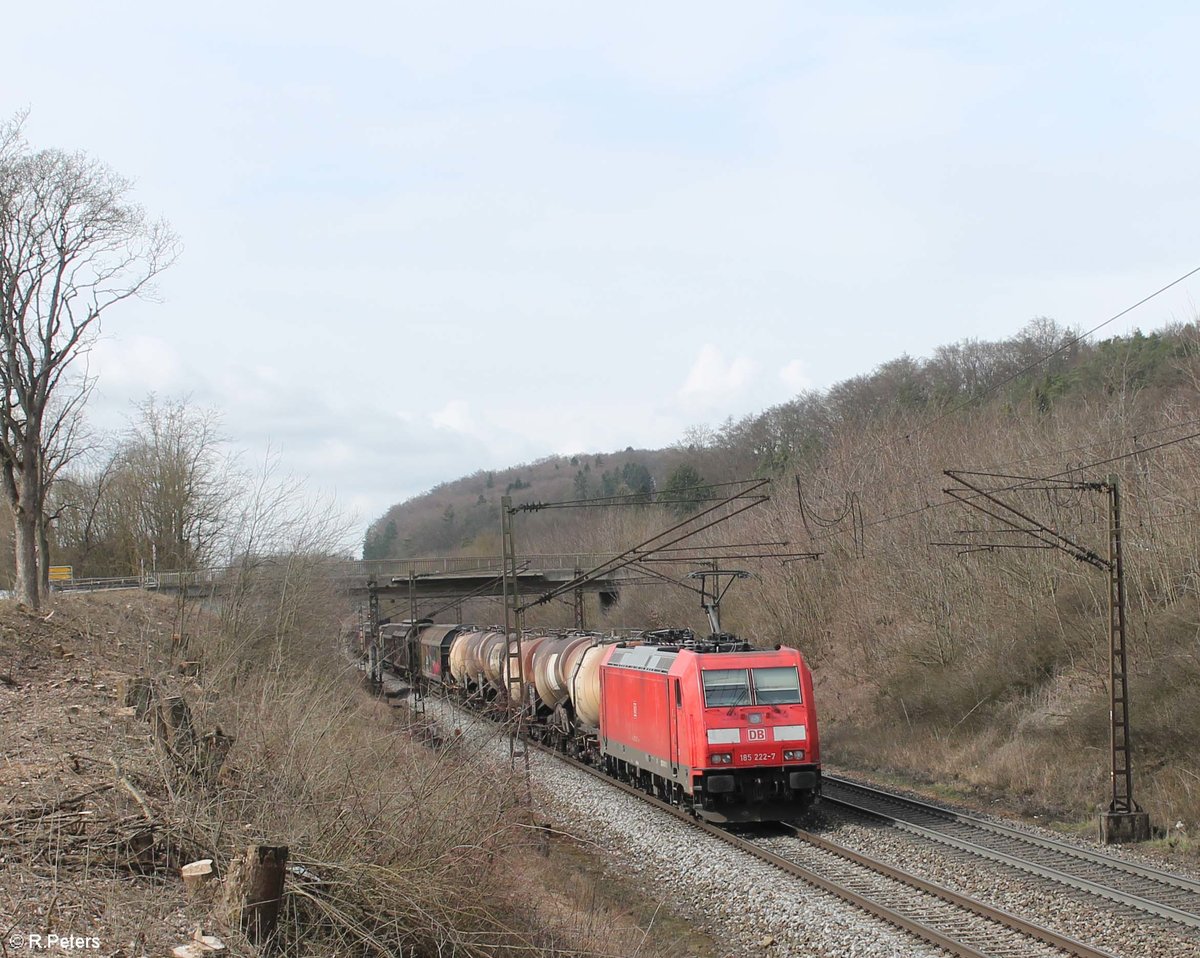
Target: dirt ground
[93, 820]
[88, 851]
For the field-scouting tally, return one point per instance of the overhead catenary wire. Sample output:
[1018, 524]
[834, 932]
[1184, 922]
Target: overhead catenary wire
[1058, 452]
[1082, 467]
[477, 592]
[1100, 524]
[1128, 455]
[1054, 483]
[689, 496]
[1074, 341]
[1033, 527]
[906, 436]
[662, 577]
[1134, 436]
[728, 545]
[730, 557]
[637, 554]
[650, 545]
[632, 500]
[1026, 482]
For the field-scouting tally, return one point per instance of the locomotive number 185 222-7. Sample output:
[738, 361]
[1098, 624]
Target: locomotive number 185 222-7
[757, 756]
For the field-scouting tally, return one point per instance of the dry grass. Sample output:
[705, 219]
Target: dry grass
[985, 671]
[402, 846]
[397, 847]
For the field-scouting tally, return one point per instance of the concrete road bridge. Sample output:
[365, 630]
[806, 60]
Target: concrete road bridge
[446, 577]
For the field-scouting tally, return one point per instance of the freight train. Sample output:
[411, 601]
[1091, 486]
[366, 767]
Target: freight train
[710, 724]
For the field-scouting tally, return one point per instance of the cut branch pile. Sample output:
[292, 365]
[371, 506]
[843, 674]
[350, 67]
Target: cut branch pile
[118, 825]
[95, 830]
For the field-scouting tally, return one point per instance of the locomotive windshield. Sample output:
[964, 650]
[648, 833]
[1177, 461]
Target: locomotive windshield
[777, 686]
[772, 686]
[726, 687]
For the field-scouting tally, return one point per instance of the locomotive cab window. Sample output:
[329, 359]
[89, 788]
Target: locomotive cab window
[777, 686]
[726, 687]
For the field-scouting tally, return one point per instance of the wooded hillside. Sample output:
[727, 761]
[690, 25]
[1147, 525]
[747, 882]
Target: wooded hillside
[986, 668]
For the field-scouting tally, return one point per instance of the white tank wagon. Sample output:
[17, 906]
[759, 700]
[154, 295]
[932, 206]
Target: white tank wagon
[561, 673]
[527, 647]
[550, 678]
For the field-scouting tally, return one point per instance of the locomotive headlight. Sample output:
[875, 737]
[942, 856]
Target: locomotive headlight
[796, 755]
[721, 758]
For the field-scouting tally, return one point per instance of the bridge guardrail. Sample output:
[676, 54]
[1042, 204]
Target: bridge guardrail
[98, 584]
[383, 570]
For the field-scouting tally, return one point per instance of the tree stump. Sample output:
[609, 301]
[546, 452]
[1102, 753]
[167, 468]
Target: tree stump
[136, 692]
[197, 874]
[254, 890]
[174, 729]
[211, 753]
[139, 852]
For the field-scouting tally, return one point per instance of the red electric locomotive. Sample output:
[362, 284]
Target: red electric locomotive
[713, 724]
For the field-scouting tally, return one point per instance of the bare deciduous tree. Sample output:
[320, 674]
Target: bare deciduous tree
[81, 505]
[161, 495]
[72, 244]
[283, 548]
[179, 483]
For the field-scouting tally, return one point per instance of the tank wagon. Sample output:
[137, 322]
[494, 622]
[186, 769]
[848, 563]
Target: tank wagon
[710, 724]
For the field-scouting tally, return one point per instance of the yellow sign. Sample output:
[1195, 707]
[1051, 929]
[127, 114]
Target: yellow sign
[61, 573]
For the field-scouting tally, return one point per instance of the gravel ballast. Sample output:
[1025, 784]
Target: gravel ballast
[754, 909]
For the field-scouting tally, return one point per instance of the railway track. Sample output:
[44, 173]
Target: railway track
[1171, 898]
[951, 921]
[956, 923]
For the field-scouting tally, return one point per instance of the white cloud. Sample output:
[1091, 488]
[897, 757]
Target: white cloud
[138, 364]
[455, 416]
[349, 201]
[795, 376]
[712, 380]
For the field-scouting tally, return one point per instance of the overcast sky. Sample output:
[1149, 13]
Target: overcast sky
[422, 239]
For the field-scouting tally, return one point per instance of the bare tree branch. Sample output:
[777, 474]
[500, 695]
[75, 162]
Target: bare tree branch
[71, 246]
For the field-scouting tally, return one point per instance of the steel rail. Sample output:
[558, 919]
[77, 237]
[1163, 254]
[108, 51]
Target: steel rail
[933, 936]
[893, 917]
[1139, 902]
[1014, 922]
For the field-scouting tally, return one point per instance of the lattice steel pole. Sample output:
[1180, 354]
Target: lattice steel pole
[580, 616]
[514, 671]
[375, 655]
[1124, 821]
[415, 676]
